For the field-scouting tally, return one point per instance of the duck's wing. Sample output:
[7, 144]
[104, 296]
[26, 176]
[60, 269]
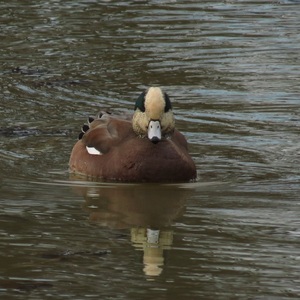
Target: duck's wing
[105, 132]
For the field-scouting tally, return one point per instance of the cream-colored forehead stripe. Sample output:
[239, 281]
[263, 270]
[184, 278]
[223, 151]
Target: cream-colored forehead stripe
[154, 103]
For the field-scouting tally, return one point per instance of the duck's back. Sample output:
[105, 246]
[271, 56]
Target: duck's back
[124, 156]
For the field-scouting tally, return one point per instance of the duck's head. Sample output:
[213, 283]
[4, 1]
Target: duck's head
[153, 116]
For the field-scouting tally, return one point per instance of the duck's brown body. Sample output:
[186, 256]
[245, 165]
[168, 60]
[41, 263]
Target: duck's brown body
[127, 157]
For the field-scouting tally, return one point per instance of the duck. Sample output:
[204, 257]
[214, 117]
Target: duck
[144, 148]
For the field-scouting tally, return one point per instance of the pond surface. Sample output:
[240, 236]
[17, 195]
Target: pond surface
[231, 69]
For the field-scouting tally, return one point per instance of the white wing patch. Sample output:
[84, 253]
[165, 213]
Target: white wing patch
[93, 151]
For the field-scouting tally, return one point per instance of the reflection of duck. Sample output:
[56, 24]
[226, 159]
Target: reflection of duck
[127, 205]
[147, 209]
[153, 242]
[147, 149]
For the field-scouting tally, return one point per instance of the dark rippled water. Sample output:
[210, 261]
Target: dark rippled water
[231, 69]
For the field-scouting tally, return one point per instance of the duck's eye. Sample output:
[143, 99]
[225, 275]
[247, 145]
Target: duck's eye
[168, 105]
[140, 102]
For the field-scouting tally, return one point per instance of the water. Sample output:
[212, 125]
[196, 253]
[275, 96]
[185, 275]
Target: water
[232, 72]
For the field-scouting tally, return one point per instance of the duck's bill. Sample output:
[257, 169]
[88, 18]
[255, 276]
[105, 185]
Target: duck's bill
[154, 131]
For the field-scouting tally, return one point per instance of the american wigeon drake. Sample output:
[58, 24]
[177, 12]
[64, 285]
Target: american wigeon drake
[147, 148]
